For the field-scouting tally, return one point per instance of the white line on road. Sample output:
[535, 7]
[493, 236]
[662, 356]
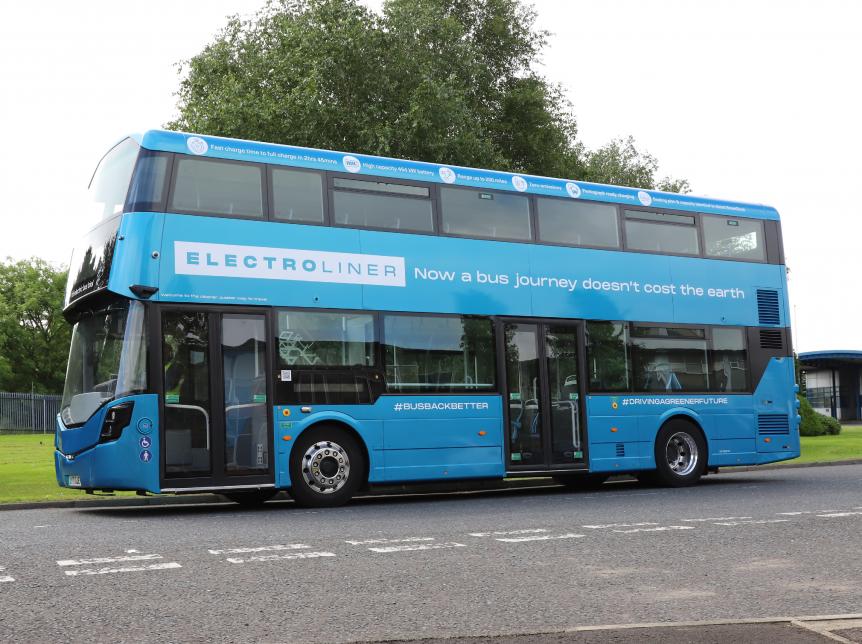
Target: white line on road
[293, 555]
[368, 542]
[239, 551]
[540, 537]
[502, 533]
[419, 546]
[792, 514]
[754, 522]
[104, 560]
[109, 571]
[5, 578]
[663, 528]
[833, 515]
[718, 519]
[603, 526]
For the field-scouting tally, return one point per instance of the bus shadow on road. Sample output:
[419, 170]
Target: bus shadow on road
[623, 485]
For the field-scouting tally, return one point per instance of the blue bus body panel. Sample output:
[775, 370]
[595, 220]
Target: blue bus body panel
[225, 261]
[622, 428]
[361, 164]
[119, 465]
[409, 438]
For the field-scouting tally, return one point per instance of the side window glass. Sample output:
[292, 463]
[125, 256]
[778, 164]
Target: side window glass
[474, 213]
[661, 232]
[310, 339]
[377, 204]
[728, 360]
[297, 196]
[608, 361]
[578, 223]
[438, 354]
[217, 187]
[669, 359]
[738, 238]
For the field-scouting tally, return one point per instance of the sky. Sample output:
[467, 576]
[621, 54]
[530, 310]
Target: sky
[750, 100]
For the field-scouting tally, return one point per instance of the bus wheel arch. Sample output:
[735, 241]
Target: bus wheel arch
[681, 451]
[337, 450]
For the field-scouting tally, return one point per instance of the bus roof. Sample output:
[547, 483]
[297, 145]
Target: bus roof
[364, 164]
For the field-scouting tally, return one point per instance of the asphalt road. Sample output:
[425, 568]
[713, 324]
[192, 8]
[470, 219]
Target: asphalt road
[746, 545]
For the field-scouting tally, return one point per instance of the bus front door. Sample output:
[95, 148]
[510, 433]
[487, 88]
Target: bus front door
[544, 393]
[216, 412]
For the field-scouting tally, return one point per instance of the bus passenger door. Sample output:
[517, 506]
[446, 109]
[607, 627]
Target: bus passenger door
[544, 396]
[216, 412]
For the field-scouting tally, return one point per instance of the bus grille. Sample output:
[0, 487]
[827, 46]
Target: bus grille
[773, 424]
[767, 307]
[771, 339]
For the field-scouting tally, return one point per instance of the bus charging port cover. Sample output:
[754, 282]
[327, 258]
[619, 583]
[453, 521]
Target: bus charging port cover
[117, 418]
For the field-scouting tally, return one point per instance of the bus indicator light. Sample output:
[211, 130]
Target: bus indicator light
[286, 438]
[285, 412]
[482, 432]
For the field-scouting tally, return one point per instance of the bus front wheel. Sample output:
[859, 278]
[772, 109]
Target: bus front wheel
[326, 467]
[680, 454]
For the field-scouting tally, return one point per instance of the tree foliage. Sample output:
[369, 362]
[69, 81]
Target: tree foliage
[448, 81]
[34, 337]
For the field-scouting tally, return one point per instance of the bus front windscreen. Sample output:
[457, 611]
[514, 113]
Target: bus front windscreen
[107, 360]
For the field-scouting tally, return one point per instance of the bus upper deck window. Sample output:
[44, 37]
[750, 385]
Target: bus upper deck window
[733, 237]
[218, 187]
[661, 232]
[297, 196]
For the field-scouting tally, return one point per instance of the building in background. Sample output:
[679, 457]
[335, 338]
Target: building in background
[833, 382]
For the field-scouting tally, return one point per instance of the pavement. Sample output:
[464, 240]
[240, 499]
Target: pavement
[736, 558]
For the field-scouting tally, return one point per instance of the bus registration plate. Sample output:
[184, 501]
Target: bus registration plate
[74, 481]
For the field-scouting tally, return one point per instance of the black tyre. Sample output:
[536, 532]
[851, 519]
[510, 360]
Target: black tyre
[251, 498]
[680, 454]
[327, 467]
[581, 481]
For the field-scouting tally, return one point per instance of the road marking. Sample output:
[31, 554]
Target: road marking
[832, 515]
[5, 578]
[754, 522]
[502, 533]
[367, 542]
[419, 546]
[293, 555]
[717, 519]
[792, 514]
[109, 571]
[663, 528]
[104, 560]
[540, 537]
[239, 551]
[603, 526]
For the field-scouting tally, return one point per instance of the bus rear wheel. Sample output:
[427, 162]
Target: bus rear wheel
[680, 454]
[327, 467]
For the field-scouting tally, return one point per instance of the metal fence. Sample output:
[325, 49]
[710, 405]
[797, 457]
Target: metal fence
[28, 413]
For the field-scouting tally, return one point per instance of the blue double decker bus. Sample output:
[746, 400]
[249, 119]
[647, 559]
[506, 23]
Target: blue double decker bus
[251, 317]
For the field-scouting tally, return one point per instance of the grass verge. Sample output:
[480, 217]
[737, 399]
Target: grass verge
[27, 470]
[820, 449]
[27, 463]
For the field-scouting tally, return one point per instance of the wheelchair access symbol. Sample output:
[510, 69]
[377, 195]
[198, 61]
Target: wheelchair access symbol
[145, 442]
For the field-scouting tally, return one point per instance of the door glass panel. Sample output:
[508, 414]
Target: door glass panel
[522, 378]
[561, 349]
[243, 349]
[185, 345]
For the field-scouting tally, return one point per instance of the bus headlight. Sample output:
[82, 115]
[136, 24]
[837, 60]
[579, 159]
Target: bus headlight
[117, 418]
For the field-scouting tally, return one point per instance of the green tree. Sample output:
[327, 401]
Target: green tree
[448, 81]
[34, 337]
